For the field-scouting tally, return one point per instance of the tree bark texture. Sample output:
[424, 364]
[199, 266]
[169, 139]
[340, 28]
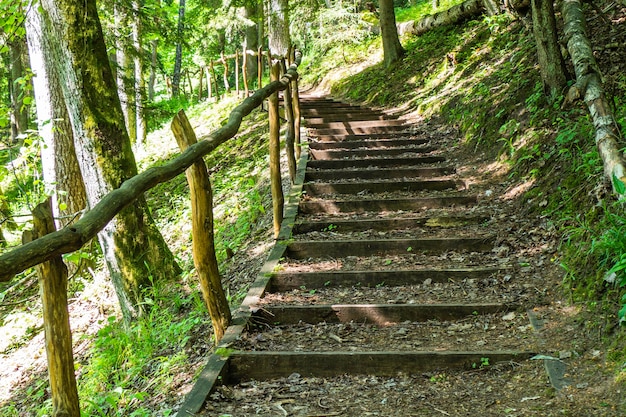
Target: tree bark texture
[153, 68]
[73, 238]
[458, 13]
[56, 322]
[551, 63]
[19, 112]
[139, 76]
[61, 171]
[251, 39]
[125, 71]
[589, 84]
[278, 199]
[278, 28]
[392, 49]
[178, 60]
[133, 247]
[204, 257]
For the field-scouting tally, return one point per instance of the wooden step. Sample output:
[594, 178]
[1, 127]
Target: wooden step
[380, 173]
[371, 143]
[352, 124]
[303, 249]
[372, 153]
[359, 130]
[324, 164]
[354, 225]
[381, 314]
[375, 187]
[376, 205]
[243, 366]
[287, 281]
[365, 136]
[341, 117]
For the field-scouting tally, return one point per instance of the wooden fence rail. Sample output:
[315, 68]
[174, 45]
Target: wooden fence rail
[72, 238]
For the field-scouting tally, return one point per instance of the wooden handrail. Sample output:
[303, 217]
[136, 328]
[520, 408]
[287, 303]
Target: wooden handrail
[73, 237]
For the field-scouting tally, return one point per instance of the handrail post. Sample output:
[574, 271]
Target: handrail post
[237, 72]
[260, 68]
[297, 114]
[203, 241]
[244, 73]
[290, 133]
[278, 198]
[56, 322]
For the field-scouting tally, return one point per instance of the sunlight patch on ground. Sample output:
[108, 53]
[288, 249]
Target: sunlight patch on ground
[518, 190]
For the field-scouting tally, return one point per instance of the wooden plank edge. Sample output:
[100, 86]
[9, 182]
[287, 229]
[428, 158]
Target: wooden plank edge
[263, 365]
[215, 371]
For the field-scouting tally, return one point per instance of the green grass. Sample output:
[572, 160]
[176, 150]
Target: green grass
[423, 8]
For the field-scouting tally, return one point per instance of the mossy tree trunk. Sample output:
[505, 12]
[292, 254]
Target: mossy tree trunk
[125, 68]
[551, 63]
[139, 76]
[133, 248]
[17, 90]
[392, 49]
[251, 42]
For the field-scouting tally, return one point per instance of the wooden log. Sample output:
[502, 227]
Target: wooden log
[73, 237]
[290, 133]
[244, 73]
[589, 87]
[260, 68]
[200, 78]
[56, 322]
[217, 90]
[237, 72]
[204, 257]
[225, 75]
[297, 114]
[208, 82]
[278, 198]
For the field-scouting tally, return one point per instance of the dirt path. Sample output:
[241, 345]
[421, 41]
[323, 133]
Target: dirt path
[411, 285]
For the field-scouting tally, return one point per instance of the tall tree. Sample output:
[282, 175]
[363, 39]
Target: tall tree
[178, 60]
[392, 48]
[551, 63]
[133, 248]
[61, 171]
[139, 77]
[251, 40]
[125, 66]
[17, 87]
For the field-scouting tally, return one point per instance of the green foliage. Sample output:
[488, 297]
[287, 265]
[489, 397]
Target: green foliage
[421, 8]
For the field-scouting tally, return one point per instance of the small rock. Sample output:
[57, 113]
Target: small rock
[509, 316]
[565, 354]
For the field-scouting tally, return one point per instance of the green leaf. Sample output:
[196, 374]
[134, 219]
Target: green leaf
[619, 185]
[62, 206]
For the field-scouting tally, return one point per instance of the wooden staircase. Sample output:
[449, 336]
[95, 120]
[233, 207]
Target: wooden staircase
[383, 236]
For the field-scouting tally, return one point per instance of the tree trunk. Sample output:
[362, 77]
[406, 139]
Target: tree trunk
[551, 63]
[61, 171]
[178, 60]
[202, 225]
[455, 14]
[125, 70]
[140, 82]
[56, 323]
[251, 40]
[19, 112]
[153, 69]
[278, 27]
[392, 49]
[290, 134]
[132, 246]
[589, 86]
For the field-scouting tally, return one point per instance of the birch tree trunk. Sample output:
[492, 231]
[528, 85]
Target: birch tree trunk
[61, 171]
[392, 49]
[589, 87]
[278, 27]
[133, 248]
